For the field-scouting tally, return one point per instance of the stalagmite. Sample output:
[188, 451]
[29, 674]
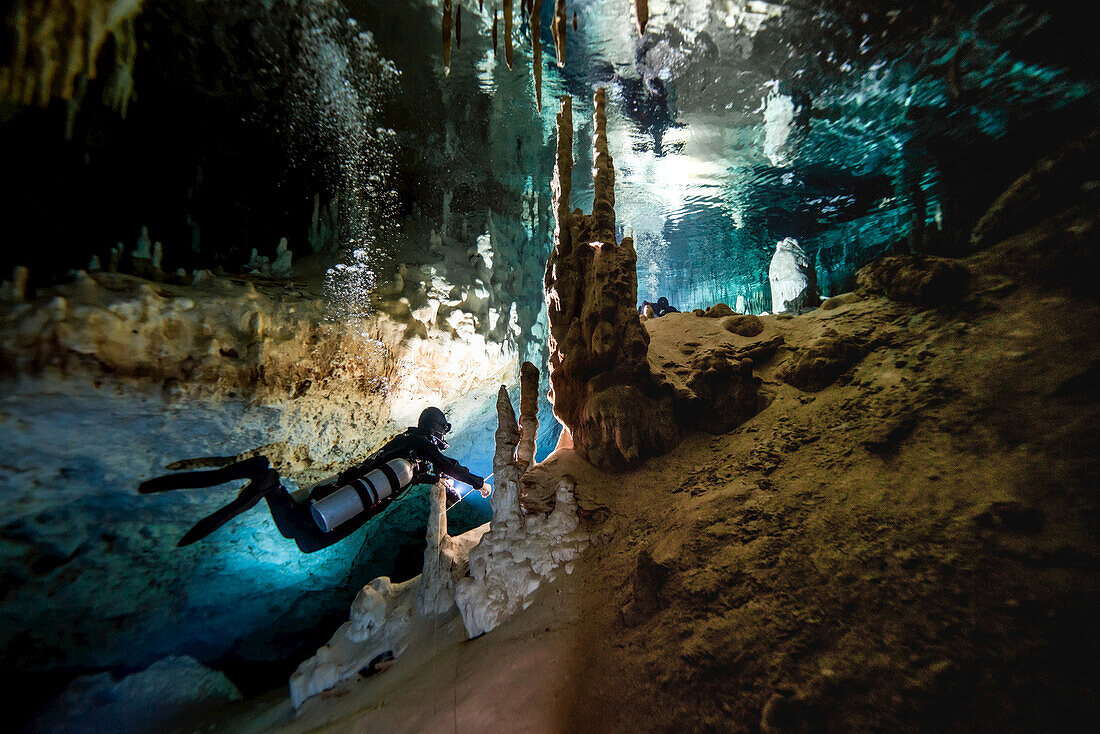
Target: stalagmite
[508, 33]
[528, 415]
[446, 36]
[641, 15]
[536, 49]
[600, 383]
[559, 27]
[574, 20]
[792, 277]
[384, 614]
[521, 551]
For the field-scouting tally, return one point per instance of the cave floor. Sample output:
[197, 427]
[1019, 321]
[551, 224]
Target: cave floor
[913, 547]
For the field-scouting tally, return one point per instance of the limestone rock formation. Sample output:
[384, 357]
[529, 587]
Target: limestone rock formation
[446, 29]
[649, 578]
[601, 387]
[152, 700]
[818, 365]
[1041, 192]
[508, 52]
[743, 324]
[792, 277]
[55, 44]
[536, 50]
[523, 550]
[641, 15]
[559, 29]
[384, 614]
[709, 368]
[924, 280]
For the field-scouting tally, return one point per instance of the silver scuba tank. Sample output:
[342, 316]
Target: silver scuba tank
[361, 494]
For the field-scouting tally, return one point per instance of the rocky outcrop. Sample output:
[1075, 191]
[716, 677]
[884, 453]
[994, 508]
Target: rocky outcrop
[523, 550]
[649, 578]
[923, 280]
[601, 387]
[708, 367]
[817, 366]
[1041, 192]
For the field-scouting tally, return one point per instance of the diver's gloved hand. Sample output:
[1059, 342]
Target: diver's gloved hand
[485, 489]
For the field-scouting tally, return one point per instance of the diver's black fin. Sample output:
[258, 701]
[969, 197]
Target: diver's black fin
[247, 469]
[252, 493]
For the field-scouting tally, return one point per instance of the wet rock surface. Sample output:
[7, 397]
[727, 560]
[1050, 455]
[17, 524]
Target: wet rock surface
[924, 280]
[818, 364]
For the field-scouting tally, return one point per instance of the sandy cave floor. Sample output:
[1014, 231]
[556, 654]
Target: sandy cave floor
[911, 548]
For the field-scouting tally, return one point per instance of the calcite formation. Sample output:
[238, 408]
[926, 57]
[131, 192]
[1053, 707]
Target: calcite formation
[56, 45]
[446, 28]
[559, 28]
[490, 572]
[384, 615]
[792, 278]
[508, 52]
[536, 50]
[601, 386]
[641, 15]
[522, 550]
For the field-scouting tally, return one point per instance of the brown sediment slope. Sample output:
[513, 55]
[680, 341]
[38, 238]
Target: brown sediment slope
[913, 546]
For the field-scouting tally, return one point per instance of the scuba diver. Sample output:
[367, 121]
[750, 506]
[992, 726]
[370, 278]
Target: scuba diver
[660, 308]
[336, 507]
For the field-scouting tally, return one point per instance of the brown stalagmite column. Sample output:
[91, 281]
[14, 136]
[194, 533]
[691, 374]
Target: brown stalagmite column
[536, 49]
[447, 36]
[508, 32]
[559, 28]
[600, 383]
[528, 415]
[603, 210]
[641, 9]
[458, 26]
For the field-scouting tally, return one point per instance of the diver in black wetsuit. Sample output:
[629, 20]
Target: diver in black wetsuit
[337, 507]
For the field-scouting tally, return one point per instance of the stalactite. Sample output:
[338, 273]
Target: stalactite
[57, 44]
[536, 49]
[559, 27]
[495, 11]
[574, 20]
[458, 26]
[641, 10]
[508, 33]
[446, 36]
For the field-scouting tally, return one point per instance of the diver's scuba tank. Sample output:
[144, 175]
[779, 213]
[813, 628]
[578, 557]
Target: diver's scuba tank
[362, 494]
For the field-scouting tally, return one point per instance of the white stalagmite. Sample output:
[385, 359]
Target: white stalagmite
[521, 552]
[384, 614]
[791, 276]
